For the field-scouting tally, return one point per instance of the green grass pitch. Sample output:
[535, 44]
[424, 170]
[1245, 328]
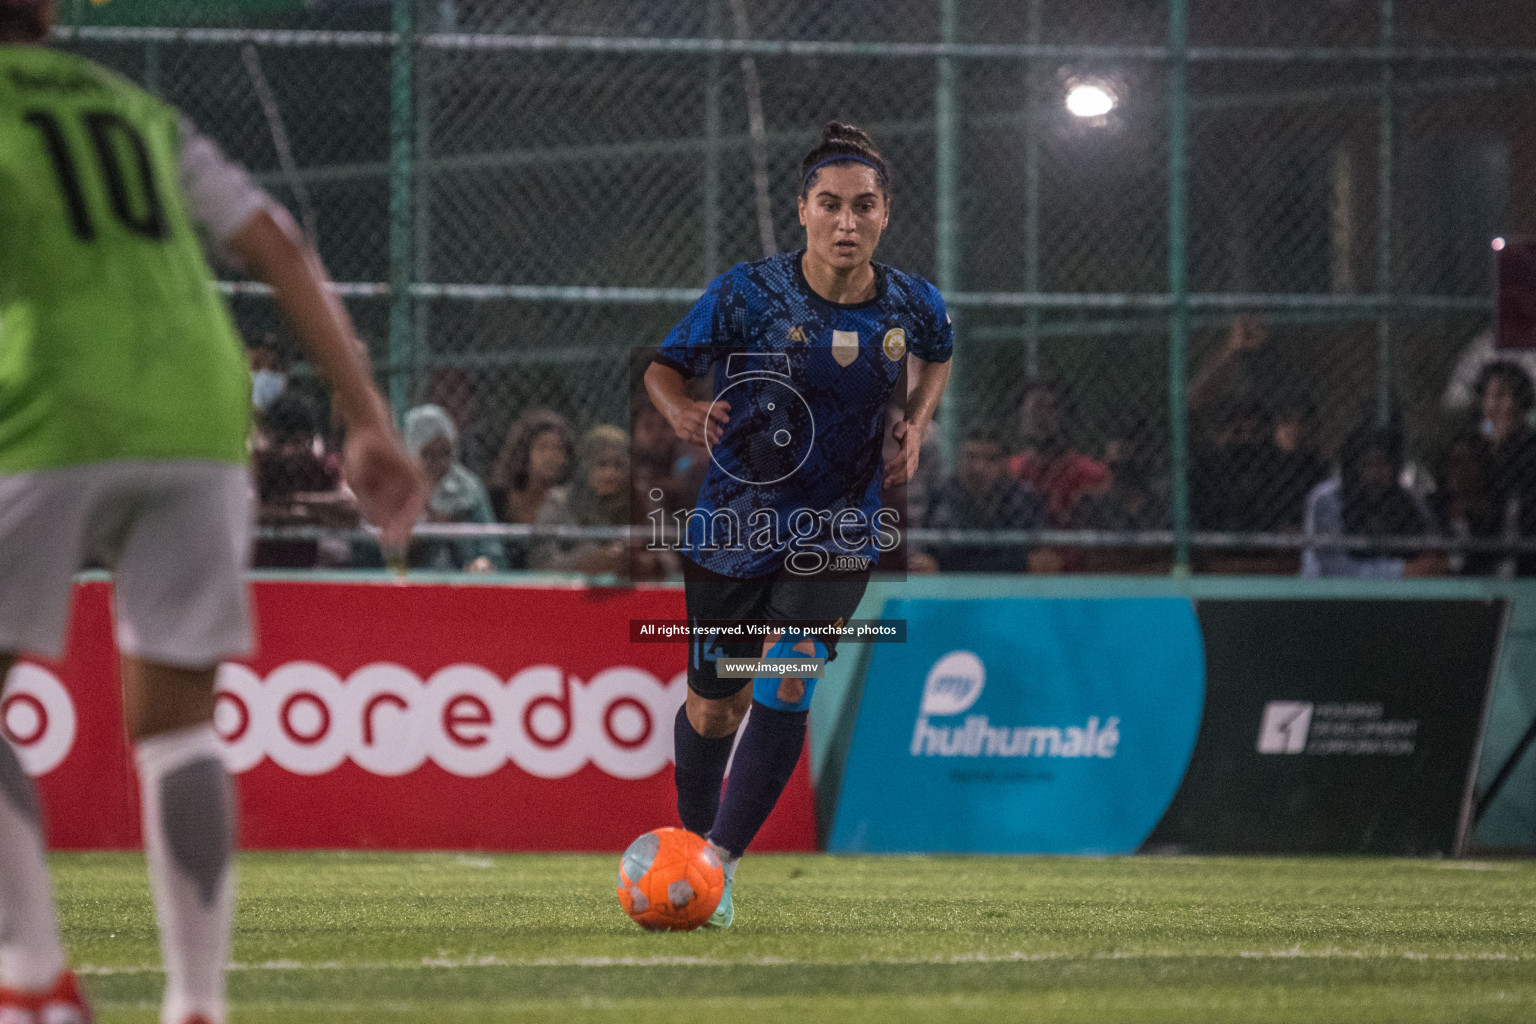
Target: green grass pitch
[339, 937]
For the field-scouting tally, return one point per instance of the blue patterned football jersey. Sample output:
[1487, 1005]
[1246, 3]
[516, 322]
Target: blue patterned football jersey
[795, 478]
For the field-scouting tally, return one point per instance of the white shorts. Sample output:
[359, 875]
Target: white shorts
[176, 536]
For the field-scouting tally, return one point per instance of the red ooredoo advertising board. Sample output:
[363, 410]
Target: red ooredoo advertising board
[399, 716]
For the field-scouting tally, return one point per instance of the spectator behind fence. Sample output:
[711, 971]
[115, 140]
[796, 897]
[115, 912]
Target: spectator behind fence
[1136, 501]
[268, 377]
[298, 484]
[1367, 500]
[665, 476]
[537, 456]
[598, 497]
[1466, 505]
[1234, 468]
[1504, 400]
[452, 389]
[457, 496]
[1463, 391]
[1048, 462]
[661, 462]
[1254, 457]
[981, 496]
[1299, 464]
[1241, 370]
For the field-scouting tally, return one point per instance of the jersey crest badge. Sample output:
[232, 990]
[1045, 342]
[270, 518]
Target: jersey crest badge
[845, 347]
[895, 344]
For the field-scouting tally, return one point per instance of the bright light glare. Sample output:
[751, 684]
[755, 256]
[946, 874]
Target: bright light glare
[1089, 99]
[1498, 245]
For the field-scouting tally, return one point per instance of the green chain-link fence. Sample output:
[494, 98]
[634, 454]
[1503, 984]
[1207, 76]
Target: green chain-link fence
[1279, 232]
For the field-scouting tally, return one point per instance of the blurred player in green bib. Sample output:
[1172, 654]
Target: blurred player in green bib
[124, 414]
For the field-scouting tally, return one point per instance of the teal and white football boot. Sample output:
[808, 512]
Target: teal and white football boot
[725, 913]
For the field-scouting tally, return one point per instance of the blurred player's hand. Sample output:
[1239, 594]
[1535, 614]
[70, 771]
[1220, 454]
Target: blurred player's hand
[900, 467]
[389, 487]
[702, 422]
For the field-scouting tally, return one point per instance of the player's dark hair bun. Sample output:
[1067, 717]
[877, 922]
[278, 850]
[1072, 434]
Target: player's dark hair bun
[836, 131]
[839, 140]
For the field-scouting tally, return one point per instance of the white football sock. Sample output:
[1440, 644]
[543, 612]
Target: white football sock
[30, 955]
[189, 833]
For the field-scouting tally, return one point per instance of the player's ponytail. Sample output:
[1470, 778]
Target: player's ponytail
[843, 143]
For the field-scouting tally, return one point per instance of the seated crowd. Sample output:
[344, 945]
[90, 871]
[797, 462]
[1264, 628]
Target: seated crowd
[1258, 474]
[540, 475]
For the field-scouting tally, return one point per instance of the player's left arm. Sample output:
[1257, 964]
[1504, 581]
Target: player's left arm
[925, 388]
[927, 373]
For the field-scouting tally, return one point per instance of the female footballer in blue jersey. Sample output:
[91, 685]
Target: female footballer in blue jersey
[807, 349]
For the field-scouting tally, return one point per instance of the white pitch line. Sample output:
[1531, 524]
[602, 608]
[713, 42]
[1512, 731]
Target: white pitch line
[435, 963]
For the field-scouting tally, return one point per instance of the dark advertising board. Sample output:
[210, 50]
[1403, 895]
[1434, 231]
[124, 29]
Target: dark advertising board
[1032, 725]
[1335, 727]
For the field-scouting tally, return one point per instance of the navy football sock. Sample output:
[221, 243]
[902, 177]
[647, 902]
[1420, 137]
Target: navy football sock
[698, 771]
[765, 759]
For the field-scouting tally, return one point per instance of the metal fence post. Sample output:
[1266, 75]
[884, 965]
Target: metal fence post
[427, 90]
[712, 150]
[152, 67]
[946, 183]
[1178, 274]
[401, 229]
[1034, 111]
[1384, 175]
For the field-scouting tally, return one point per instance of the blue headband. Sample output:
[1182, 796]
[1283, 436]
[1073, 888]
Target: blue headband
[839, 159]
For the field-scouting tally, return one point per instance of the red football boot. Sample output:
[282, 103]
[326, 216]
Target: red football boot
[62, 1004]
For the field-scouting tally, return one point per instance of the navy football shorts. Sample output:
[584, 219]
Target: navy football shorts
[822, 599]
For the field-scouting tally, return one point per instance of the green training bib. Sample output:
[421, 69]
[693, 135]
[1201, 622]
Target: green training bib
[113, 344]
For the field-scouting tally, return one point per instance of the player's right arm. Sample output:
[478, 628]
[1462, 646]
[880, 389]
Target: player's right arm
[245, 224]
[388, 485]
[694, 421]
[712, 323]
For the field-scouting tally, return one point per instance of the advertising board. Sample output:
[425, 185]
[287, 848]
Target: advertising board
[1033, 725]
[399, 716]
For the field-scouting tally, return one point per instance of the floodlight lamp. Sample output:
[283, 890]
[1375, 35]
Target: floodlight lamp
[1090, 98]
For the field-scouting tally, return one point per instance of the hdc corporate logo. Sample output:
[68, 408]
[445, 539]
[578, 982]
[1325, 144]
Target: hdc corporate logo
[953, 686]
[1338, 727]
